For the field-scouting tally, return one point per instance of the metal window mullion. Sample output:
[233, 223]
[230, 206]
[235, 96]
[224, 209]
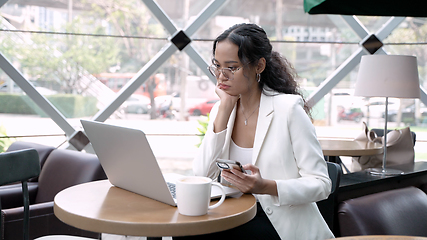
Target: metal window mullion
[160, 15]
[388, 27]
[201, 19]
[354, 23]
[353, 60]
[136, 82]
[2, 2]
[145, 72]
[39, 99]
[330, 82]
[204, 16]
[163, 55]
[200, 62]
[349, 64]
[423, 95]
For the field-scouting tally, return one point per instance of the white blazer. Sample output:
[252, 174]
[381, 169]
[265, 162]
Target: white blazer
[286, 150]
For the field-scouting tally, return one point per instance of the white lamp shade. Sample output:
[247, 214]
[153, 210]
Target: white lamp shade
[388, 76]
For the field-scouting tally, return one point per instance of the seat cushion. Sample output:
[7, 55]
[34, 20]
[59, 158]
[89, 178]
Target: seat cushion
[394, 212]
[11, 195]
[65, 168]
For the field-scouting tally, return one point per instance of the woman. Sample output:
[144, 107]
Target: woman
[262, 121]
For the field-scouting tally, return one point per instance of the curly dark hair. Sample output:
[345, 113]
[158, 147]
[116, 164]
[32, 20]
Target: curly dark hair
[278, 75]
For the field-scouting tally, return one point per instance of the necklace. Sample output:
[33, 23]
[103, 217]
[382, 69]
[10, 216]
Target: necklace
[246, 118]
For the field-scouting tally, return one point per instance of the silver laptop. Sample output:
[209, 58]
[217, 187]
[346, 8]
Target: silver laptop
[129, 162]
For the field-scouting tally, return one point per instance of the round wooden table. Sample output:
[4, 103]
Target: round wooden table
[335, 147]
[100, 207]
[382, 237]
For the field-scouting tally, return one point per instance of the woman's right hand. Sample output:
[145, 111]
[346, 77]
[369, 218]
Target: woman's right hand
[227, 103]
[224, 96]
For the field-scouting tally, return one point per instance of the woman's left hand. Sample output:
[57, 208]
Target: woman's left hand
[250, 183]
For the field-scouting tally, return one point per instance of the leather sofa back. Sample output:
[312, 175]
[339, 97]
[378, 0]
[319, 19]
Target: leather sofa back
[61, 168]
[64, 168]
[394, 212]
[42, 150]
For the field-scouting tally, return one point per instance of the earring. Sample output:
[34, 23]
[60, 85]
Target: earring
[258, 77]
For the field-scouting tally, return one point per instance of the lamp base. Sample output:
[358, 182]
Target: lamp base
[384, 172]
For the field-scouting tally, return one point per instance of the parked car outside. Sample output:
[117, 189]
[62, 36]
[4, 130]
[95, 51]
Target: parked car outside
[352, 114]
[174, 100]
[202, 108]
[139, 104]
[408, 113]
[377, 106]
[17, 89]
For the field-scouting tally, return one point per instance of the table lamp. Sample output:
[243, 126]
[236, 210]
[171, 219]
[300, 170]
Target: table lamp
[387, 76]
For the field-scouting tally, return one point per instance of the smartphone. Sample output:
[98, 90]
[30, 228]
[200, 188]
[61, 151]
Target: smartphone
[229, 164]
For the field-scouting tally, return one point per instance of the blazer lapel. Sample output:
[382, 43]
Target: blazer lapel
[265, 116]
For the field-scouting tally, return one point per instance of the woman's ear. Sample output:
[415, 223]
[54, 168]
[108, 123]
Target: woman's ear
[261, 65]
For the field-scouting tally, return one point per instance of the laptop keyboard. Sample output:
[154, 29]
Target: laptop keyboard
[172, 189]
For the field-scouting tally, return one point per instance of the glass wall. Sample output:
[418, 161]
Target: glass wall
[80, 55]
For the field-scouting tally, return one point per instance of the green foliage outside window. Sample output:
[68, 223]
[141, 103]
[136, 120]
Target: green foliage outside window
[71, 106]
[203, 125]
[5, 142]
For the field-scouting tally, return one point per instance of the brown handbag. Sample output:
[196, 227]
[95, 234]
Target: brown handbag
[400, 149]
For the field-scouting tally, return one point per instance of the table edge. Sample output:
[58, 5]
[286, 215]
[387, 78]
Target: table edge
[163, 229]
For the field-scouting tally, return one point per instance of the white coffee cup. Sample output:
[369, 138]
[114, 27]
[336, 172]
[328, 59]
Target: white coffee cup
[193, 195]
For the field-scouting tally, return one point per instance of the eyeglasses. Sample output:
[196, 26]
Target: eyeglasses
[226, 72]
